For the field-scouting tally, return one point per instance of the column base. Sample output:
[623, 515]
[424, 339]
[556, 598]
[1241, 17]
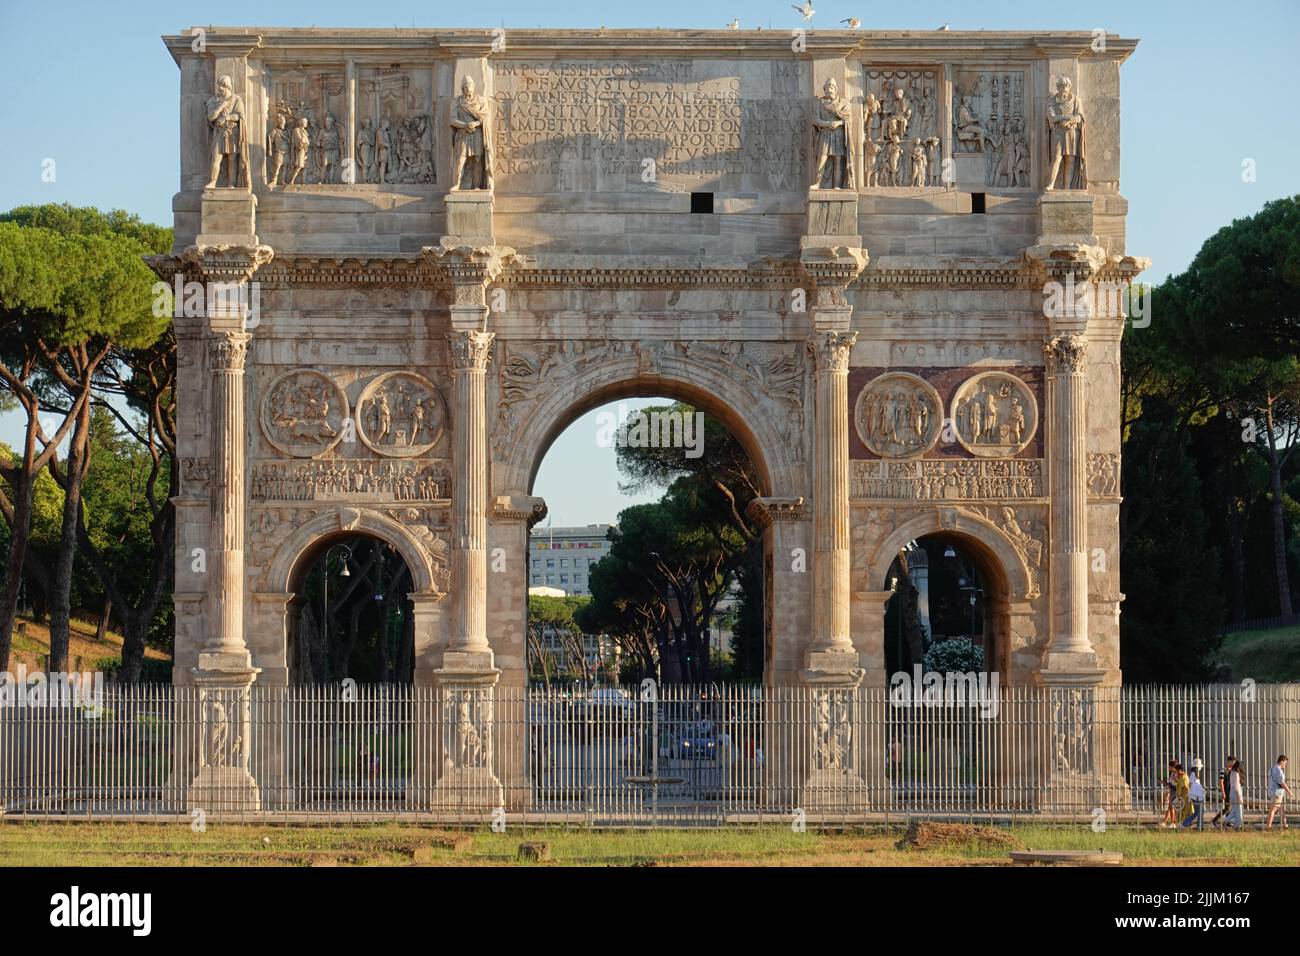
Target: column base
[467, 790]
[224, 790]
[1071, 669]
[1082, 794]
[834, 667]
[833, 790]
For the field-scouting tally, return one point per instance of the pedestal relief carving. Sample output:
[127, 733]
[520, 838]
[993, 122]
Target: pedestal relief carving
[400, 415]
[303, 413]
[901, 128]
[995, 415]
[898, 415]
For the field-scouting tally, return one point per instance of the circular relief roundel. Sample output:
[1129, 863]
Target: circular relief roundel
[898, 415]
[995, 414]
[400, 415]
[303, 412]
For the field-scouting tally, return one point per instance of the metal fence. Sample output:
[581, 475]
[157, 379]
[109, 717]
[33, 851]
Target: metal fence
[663, 756]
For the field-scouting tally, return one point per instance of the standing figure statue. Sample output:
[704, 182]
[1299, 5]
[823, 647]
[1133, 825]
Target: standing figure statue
[1065, 131]
[229, 136]
[365, 151]
[383, 151]
[330, 149]
[277, 148]
[470, 141]
[301, 144]
[830, 125]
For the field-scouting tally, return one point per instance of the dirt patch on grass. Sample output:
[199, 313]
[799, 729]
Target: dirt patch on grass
[924, 835]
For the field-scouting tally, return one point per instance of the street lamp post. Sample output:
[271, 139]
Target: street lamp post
[345, 573]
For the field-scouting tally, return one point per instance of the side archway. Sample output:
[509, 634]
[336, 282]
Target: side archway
[426, 560]
[1010, 583]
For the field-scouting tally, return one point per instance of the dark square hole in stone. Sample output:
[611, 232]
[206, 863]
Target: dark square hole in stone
[701, 202]
[976, 202]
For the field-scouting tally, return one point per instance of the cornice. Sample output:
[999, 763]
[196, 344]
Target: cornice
[772, 274]
[295, 44]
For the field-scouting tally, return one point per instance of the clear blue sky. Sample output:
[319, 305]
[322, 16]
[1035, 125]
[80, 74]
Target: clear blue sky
[91, 86]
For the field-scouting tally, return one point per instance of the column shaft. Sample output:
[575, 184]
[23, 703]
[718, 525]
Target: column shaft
[1069, 509]
[470, 351]
[226, 531]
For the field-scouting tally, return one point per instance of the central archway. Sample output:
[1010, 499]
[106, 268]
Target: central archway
[770, 427]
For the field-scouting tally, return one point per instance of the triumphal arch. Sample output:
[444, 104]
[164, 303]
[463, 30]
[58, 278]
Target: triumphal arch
[870, 254]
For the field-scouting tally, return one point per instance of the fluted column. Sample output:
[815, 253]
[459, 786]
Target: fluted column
[469, 355]
[1068, 465]
[831, 499]
[227, 352]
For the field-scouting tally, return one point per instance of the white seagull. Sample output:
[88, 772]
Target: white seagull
[853, 22]
[734, 25]
[806, 10]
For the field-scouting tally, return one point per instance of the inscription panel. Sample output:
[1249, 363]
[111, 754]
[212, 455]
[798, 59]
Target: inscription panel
[607, 125]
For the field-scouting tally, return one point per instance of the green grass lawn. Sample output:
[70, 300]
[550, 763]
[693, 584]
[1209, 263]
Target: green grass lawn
[94, 844]
[1265, 656]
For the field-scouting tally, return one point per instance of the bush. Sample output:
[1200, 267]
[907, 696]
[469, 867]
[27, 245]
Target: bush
[958, 654]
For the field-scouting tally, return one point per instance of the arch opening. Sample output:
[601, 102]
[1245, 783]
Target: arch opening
[350, 615]
[949, 609]
[687, 625]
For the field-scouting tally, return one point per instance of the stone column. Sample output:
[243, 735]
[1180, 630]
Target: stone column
[225, 670]
[466, 681]
[832, 649]
[469, 357]
[1068, 648]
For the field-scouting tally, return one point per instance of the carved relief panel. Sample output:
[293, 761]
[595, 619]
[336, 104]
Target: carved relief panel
[303, 412]
[400, 415]
[901, 141]
[995, 415]
[306, 136]
[395, 128]
[990, 128]
[898, 415]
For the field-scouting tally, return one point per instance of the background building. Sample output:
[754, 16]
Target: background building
[563, 557]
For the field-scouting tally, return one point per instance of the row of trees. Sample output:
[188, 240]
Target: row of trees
[91, 370]
[1211, 418]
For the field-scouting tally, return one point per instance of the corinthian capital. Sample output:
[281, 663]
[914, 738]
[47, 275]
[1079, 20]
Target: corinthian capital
[1065, 353]
[227, 351]
[831, 350]
[470, 350]
[226, 263]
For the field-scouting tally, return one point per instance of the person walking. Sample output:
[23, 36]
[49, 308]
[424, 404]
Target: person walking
[1236, 795]
[1170, 818]
[1217, 821]
[1279, 791]
[1196, 793]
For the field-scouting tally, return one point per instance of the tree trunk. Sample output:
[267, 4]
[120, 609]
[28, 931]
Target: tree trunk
[19, 537]
[101, 628]
[61, 599]
[1279, 530]
[1236, 559]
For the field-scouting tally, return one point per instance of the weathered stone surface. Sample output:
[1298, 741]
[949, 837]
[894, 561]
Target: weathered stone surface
[567, 262]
